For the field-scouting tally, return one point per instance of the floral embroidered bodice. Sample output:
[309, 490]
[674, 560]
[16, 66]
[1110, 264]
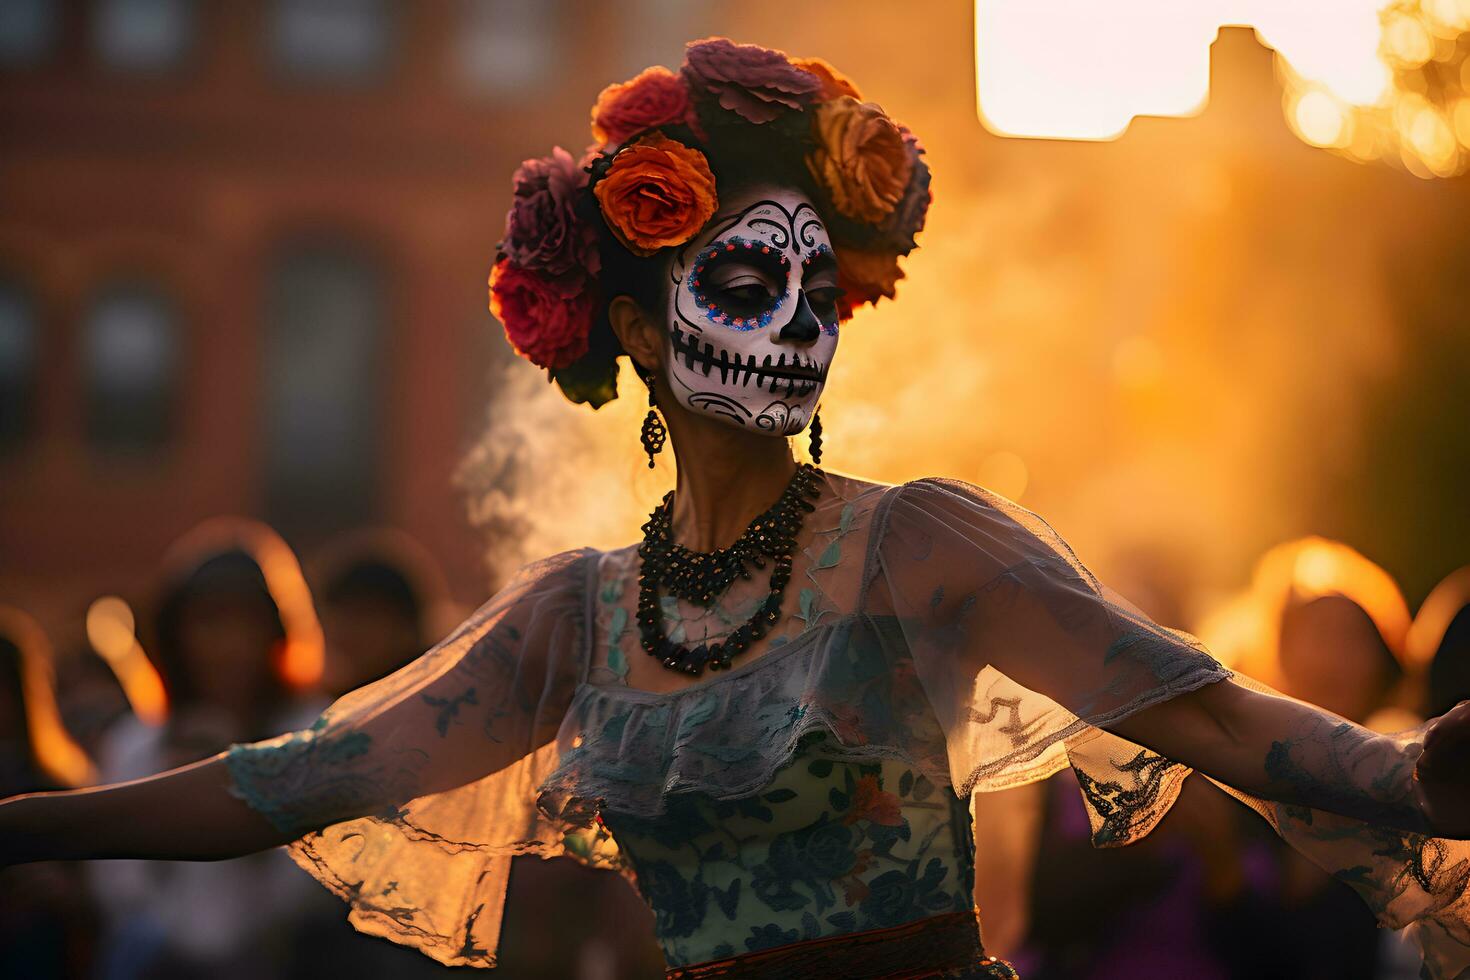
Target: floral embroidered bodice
[937, 639]
[824, 848]
[834, 839]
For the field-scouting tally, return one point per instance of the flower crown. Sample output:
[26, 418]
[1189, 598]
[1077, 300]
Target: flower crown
[647, 182]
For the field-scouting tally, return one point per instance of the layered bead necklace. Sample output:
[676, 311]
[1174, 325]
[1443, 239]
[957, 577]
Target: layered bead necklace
[701, 577]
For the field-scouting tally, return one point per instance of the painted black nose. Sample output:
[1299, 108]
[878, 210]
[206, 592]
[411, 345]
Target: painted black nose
[804, 326]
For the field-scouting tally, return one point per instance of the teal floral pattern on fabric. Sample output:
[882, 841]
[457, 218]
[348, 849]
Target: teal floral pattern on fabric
[828, 847]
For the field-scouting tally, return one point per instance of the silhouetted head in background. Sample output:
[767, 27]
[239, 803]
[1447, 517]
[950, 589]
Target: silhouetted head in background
[1333, 655]
[217, 639]
[372, 618]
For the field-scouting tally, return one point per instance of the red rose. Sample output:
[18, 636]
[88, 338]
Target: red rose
[545, 321]
[655, 97]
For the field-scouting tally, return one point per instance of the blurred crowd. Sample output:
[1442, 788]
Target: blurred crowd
[241, 641]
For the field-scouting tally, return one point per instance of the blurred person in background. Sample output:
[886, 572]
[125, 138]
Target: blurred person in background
[805, 813]
[47, 921]
[219, 642]
[1323, 623]
[381, 601]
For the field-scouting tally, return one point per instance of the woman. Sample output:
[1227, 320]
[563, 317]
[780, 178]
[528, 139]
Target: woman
[877, 652]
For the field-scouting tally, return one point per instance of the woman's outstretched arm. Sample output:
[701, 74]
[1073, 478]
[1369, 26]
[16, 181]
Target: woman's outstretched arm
[1290, 752]
[997, 609]
[481, 699]
[183, 814]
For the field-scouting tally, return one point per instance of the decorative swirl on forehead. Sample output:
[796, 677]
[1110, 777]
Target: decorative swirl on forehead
[807, 233]
[781, 236]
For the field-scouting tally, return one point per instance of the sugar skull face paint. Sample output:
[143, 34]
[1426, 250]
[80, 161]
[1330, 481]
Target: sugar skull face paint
[753, 314]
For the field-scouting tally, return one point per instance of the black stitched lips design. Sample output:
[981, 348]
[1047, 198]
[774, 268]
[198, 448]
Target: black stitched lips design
[791, 374]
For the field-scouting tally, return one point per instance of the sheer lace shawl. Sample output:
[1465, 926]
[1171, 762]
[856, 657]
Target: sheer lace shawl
[943, 626]
[414, 792]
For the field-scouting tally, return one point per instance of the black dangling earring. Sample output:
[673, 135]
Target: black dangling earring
[816, 435]
[654, 434]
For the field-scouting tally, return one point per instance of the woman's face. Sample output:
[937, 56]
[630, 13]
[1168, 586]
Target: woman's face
[752, 313]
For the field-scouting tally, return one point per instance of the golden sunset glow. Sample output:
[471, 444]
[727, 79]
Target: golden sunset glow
[1075, 70]
[1170, 345]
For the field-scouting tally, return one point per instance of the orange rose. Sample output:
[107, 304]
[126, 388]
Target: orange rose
[834, 83]
[860, 158]
[865, 277]
[657, 192]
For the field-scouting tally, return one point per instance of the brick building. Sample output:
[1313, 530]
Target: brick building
[242, 257]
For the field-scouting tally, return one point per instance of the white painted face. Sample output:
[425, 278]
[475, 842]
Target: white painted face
[752, 314]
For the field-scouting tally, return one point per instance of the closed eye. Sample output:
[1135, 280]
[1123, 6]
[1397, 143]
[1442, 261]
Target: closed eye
[750, 292]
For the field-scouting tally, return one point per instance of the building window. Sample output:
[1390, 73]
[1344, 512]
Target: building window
[327, 318]
[506, 46]
[130, 350]
[332, 40]
[27, 31]
[18, 366]
[143, 35]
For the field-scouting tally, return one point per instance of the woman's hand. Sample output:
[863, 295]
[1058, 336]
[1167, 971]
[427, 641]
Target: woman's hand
[1442, 775]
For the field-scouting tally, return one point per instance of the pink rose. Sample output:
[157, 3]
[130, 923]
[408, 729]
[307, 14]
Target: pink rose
[655, 97]
[544, 321]
[542, 230]
[755, 83]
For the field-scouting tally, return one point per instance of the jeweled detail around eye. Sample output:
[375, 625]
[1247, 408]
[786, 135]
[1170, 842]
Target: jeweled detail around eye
[737, 247]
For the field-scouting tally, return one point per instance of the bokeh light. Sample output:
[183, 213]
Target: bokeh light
[111, 629]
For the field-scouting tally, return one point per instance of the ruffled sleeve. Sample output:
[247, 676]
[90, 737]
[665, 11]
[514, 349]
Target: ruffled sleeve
[413, 793]
[1027, 658]
[1021, 650]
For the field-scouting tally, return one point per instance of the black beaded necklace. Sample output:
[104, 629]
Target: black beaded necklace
[702, 577]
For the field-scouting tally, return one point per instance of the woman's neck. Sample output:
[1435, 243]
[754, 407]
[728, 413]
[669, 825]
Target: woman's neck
[726, 478]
